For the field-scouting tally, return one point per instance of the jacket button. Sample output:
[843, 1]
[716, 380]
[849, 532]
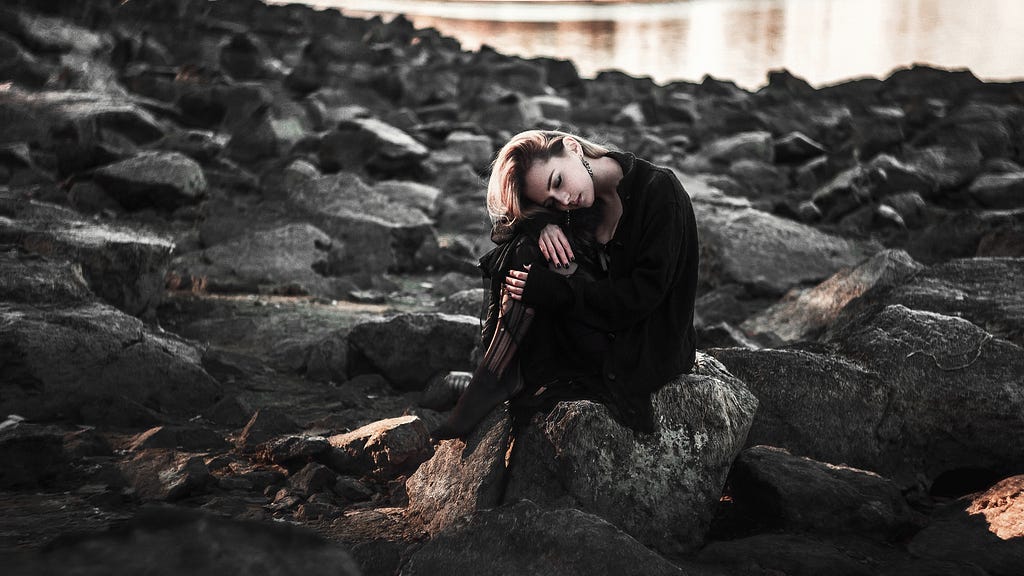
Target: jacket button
[611, 335]
[611, 375]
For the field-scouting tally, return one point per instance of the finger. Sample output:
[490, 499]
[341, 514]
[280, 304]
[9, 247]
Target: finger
[546, 248]
[561, 258]
[566, 248]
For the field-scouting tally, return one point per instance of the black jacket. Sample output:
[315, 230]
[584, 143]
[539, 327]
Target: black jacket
[645, 305]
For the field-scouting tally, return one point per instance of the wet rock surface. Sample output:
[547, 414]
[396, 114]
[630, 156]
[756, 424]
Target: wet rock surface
[237, 264]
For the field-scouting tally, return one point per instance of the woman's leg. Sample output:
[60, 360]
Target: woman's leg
[489, 387]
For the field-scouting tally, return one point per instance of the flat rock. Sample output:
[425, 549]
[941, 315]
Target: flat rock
[122, 266]
[59, 360]
[661, 488]
[379, 234]
[999, 190]
[521, 538]
[801, 494]
[161, 180]
[282, 260]
[985, 529]
[463, 476]
[409, 193]
[766, 253]
[159, 474]
[372, 144]
[32, 279]
[166, 541]
[410, 349]
[750, 145]
[808, 313]
[385, 448]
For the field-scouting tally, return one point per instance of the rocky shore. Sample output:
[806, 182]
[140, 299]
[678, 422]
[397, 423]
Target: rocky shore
[237, 266]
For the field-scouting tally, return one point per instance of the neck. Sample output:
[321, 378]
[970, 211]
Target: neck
[607, 173]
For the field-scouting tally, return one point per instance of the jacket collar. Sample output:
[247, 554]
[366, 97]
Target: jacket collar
[627, 161]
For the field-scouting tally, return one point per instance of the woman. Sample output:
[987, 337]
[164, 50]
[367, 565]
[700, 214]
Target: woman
[617, 328]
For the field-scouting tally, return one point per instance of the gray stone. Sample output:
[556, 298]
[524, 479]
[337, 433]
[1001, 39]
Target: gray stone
[767, 254]
[59, 360]
[165, 475]
[750, 145]
[413, 194]
[477, 149]
[983, 529]
[385, 448]
[372, 144]
[162, 180]
[950, 167]
[467, 302]
[523, 538]
[791, 554]
[283, 260]
[463, 476]
[661, 488]
[29, 279]
[796, 147]
[409, 349]
[292, 448]
[379, 235]
[999, 190]
[125, 267]
[801, 494]
[806, 314]
[312, 478]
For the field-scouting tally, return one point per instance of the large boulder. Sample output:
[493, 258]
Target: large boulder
[379, 234]
[766, 253]
[165, 541]
[801, 494]
[527, 539]
[385, 448]
[373, 145]
[905, 393]
[463, 476]
[59, 359]
[124, 267]
[410, 349]
[984, 529]
[284, 260]
[806, 314]
[661, 488]
[161, 180]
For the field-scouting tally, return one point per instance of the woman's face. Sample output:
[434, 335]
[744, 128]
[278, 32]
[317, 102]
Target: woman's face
[560, 183]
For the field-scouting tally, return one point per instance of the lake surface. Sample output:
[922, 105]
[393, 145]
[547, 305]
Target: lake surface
[823, 41]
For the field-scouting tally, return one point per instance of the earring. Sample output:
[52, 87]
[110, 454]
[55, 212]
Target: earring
[587, 166]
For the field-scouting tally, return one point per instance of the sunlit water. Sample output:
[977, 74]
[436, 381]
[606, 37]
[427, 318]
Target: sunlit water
[823, 41]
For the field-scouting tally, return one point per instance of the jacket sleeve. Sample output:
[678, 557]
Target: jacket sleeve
[617, 303]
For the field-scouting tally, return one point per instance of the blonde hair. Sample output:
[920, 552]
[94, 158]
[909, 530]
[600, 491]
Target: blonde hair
[505, 201]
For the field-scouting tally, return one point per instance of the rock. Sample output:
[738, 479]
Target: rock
[192, 438]
[293, 448]
[311, 479]
[283, 260]
[789, 554]
[980, 290]
[806, 315]
[230, 412]
[904, 393]
[84, 129]
[476, 149]
[999, 190]
[162, 180]
[409, 349]
[759, 179]
[983, 529]
[33, 453]
[378, 235]
[767, 254]
[385, 448]
[20, 65]
[443, 391]
[950, 168]
[244, 57]
[413, 194]
[801, 494]
[467, 302]
[551, 108]
[891, 176]
[745, 145]
[166, 541]
[29, 279]
[796, 147]
[910, 206]
[125, 267]
[519, 539]
[352, 490]
[463, 477]
[371, 144]
[166, 475]
[61, 359]
[723, 335]
[661, 488]
[86, 442]
[278, 183]
[265, 135]
[264, 425]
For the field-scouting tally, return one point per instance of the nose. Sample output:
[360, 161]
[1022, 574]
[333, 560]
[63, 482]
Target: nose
[564, 198]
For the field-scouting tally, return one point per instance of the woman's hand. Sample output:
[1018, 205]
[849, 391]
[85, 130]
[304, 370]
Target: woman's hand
[555, 246]
[515, 283]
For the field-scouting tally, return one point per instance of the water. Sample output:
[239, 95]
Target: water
[823, 41]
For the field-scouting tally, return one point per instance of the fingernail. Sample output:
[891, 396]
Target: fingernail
[573, 259]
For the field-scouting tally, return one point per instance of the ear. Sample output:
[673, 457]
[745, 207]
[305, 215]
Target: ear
[572, 145]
